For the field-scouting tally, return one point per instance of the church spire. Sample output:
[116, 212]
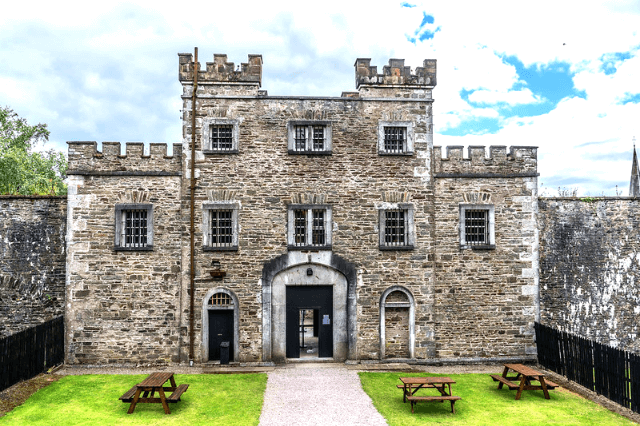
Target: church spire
[634, 184]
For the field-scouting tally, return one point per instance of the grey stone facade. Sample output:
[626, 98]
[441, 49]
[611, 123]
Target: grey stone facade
[441, 291]
[402, 285]
[32, 260]
[590, 268]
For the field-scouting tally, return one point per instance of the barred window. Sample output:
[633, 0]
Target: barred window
[300, 227]
[309, 137]
[134, 231]
[477, 226]
[318, 138]
[395, 139]
[220, 226]
[317, 230]
[221, 137]
[134, 227]
[397, 230]
[220, 299]
[309, 226]
[221, 230]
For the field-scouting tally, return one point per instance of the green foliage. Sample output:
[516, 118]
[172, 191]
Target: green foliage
[212, 399]
[24, 171]
[483, 404]
[589, 199]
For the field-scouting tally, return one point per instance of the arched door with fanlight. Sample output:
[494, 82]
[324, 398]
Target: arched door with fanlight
[220, 321]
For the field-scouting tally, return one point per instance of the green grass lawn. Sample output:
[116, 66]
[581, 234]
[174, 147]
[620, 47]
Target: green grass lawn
[483, 404]
[212, 399]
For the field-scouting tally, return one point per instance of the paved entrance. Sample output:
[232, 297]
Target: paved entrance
[317, 394]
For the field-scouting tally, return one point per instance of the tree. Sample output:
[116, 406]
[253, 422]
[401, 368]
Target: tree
[24, 171]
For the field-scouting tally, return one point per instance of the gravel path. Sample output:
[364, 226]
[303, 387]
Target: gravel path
[317, 394]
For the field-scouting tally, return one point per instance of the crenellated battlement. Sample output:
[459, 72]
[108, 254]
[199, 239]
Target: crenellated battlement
[518, 160]
[85, 159]
[396, 73]
[221, 71]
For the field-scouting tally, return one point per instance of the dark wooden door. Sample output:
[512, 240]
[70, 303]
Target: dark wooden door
[220, 330]
[318, 298]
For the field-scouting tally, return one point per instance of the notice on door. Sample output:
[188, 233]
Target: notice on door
[326, 320]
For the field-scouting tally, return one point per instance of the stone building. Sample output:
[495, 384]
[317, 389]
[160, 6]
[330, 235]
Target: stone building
[276, 214]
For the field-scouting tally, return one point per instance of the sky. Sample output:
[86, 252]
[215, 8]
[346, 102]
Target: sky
[559, 75]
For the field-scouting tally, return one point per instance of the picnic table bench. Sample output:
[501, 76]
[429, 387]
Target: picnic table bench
[525, 375]
[149, 386]
[410, 385]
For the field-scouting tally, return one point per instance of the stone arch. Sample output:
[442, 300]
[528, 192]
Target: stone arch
[409, 304]
[293, 264]
[205, 321]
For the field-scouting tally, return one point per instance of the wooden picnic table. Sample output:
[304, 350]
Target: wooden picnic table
[411, 385]
[155, 382]
[525, 375]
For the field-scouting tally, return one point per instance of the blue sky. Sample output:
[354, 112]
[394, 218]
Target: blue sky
[509, 73]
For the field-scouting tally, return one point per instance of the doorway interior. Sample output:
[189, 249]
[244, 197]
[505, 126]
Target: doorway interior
[309, 322]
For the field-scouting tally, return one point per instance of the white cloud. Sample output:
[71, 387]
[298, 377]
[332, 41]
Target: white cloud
[108, 71]
[510, 97]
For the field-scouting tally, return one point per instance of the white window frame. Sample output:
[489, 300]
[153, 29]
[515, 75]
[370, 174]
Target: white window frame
[309, 208]
[309, 125]
[120, 225]
[410, 228]
[209, 207]
[408, 146]
[490, 219]
[207, 124]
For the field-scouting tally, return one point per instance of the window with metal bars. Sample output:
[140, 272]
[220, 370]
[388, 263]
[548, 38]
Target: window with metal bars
[318, 138]
[220, 226]
[220, 299]
[477, 226]
[134, 227]
[300, 138]
[134, 231]
[395, 228]
[300, 227]
[395, 139]
[221, 229]
[309, 137]
[309, 226]
[317, 229]
[221, 137]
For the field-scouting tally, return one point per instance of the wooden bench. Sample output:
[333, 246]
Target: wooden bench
[415, 399]
[509, 383]
[175, 396]
[128, 395]
[514, 386]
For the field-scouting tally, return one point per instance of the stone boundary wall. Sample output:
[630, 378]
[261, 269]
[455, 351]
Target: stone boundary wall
[590, 268]
[32, 260]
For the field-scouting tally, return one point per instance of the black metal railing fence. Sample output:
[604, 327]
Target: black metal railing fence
[30, 352]
[610, 372]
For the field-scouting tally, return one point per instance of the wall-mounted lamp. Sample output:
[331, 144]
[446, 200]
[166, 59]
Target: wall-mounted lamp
[309, 271]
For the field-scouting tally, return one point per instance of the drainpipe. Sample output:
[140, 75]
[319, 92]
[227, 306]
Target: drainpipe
[193, 195]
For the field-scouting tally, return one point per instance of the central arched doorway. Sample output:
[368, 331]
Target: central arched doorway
[323, 286]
